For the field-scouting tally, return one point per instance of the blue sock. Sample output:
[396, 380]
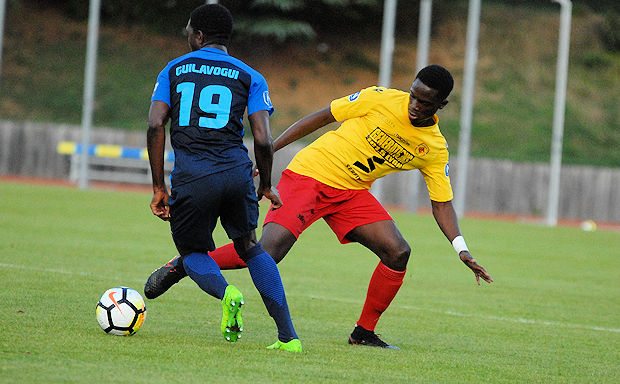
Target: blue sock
[201, 268]
[266, 278]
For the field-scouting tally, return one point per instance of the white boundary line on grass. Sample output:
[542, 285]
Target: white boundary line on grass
[518, 320]
[535, 322]
[49, 270]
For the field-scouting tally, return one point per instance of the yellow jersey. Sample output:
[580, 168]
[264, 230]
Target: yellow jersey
[376, 138]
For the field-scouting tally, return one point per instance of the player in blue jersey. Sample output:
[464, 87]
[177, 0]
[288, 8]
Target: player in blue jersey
[204, 95]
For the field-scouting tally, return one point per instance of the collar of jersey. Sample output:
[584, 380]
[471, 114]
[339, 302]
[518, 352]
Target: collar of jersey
[214, 50]
[428, 127]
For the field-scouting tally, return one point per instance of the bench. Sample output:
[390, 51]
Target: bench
[113, 163]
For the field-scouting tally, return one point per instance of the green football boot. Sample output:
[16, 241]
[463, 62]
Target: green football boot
[292, 346]
[232, 324]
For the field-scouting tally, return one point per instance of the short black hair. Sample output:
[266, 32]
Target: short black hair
[215, 22]
[437, 77]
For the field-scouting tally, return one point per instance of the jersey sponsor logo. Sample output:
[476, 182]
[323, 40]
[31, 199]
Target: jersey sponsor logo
[356, 176]
[371, 164]
[421, 150]
[402, 139]
[354, 96]
[267, 99]
[207, 70]
[395, 154]
[447, 170]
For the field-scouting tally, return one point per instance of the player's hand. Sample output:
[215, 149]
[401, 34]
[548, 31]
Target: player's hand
[159, 204]
[272, 194]
[478, 270]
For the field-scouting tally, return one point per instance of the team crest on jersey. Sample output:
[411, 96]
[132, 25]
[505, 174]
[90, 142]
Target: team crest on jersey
[155, 89]
[354, 96]
[421, 150]
[447, 170]
[267, 99]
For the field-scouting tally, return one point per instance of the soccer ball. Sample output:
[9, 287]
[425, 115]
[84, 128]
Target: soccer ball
[121, 311]
[588, 226]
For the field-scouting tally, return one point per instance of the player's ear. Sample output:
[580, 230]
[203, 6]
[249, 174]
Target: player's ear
[200, 36]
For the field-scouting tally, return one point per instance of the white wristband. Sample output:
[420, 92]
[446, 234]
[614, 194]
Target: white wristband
[459, 244]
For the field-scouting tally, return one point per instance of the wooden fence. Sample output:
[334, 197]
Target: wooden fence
[494, 186]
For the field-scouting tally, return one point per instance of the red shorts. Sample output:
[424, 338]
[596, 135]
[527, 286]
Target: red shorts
[306, 200]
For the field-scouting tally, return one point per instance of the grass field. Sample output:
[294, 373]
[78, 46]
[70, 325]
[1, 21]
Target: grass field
[552, 315]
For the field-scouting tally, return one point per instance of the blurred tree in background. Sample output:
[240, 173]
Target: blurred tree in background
[285, 21]
[274, 19]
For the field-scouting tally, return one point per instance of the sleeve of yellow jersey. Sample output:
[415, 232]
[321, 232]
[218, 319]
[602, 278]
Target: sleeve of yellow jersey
[355, 105]
[437, 178]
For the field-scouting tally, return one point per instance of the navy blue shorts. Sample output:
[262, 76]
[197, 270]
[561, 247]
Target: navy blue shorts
[196, 206]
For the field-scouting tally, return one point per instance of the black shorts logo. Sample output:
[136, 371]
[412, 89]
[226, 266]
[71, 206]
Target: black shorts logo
[301, 218]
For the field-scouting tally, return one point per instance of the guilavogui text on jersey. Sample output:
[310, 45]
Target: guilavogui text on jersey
[207, 70]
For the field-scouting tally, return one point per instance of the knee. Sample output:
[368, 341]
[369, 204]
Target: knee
[248, 251]
[403, 253]
[397, 257]
[184, 251]
[276, 252]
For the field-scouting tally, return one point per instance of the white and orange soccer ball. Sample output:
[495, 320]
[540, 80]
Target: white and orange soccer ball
[121, 311]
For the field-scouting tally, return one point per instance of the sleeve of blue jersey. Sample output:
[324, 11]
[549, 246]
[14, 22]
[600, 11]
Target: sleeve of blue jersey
[259, 99]
[161, 92]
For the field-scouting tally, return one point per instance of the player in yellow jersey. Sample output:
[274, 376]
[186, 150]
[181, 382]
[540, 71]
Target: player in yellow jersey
[383, 131]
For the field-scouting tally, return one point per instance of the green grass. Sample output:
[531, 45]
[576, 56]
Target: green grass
[551, 316]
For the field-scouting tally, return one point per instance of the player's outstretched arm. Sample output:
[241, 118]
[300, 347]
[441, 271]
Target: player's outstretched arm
[159, 113]
[304, 126]
[448, 222]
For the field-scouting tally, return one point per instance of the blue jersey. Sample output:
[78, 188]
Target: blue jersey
[208, 91]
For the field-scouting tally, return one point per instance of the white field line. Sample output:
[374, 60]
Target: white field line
[481, 316]
[48, 270]
[51, 270]
[518, 320]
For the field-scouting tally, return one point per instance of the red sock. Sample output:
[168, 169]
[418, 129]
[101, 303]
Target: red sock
[384, 284]
[226, 257]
